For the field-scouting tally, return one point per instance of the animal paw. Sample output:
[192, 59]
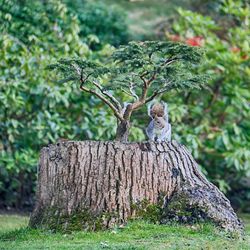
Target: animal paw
[159, 140]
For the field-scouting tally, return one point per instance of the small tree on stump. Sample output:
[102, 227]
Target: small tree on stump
[98, 184]
[141, 70]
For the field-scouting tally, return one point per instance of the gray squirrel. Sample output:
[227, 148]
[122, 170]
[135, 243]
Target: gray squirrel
[159, 129]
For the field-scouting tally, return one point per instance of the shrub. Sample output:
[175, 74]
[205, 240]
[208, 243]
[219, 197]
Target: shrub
[100, 23]
[216, 124]
[35, 111]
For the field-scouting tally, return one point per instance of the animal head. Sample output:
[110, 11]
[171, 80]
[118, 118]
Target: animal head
[159, 122]
[158, 109]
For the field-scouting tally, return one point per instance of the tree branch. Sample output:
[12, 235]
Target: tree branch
[143, 79]
[131, 89]
[145, 89]
[105, 100]
[130, 93]
[158, 92]
[115, 105]
[148, 82]
[143, 98]
[150, 98]
[112, 98]
[170, 60]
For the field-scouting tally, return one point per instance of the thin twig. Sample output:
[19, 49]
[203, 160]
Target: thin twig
[131, 89]
[115, 110]
[112, 98]
[159, 91]
[106, 101]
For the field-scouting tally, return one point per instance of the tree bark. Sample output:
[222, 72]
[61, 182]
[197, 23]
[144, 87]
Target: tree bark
[93, 185]
[122, 131]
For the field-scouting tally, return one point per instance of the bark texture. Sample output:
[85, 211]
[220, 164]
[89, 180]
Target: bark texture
[122, 131]
[93, 184]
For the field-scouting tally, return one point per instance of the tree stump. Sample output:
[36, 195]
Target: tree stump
[97, 184]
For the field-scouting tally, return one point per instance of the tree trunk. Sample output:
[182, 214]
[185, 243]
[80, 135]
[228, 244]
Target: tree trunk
[122, 131]
[93, 185]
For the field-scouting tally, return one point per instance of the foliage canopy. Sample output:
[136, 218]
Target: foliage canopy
[141, 70]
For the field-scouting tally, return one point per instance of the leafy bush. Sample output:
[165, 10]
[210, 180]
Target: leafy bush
[33, 110]
[100, 23]
[216, 123]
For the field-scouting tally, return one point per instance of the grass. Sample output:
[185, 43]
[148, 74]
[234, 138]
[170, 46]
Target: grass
[11, 222]
[144, 16]
[14, 234]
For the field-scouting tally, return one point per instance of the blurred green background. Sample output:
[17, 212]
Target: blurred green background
[35, 110]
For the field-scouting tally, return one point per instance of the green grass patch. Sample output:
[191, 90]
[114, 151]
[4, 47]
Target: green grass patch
[15, 234]
[11, 222]
[144, 16]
